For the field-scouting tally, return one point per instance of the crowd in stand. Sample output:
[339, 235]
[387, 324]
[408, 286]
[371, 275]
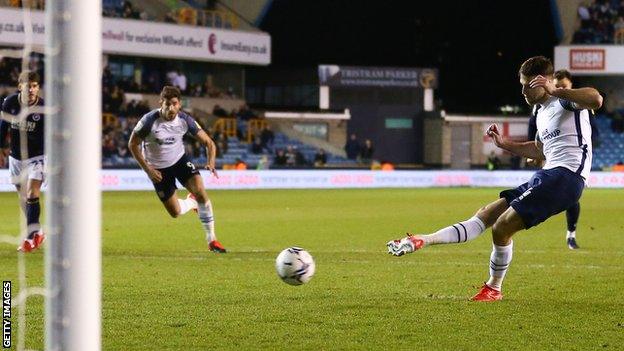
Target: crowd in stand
[33, 4]
[601, 22]
[10, 68]
[128, 10]
[123, 9]
[613, 109]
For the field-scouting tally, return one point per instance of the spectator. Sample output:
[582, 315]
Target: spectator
[493, 162]
[179, 80]
[387, 166]
[108, 145]
[172, 76]
[320, 158]
[352, 147]
[584, 14]
[300, 160]
[291, 157]
[263, 163]
[230, 93]
[245, 114]
[267, 137]
[219, 111]
[107, 77]
[170, 18]
[240, 165]
[256, 146]
[280, 158]
[196, 90]
[116, 99]
[367, 151]
[222, 145]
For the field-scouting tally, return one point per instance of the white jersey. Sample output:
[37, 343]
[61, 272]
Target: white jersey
[565, 133]
[162, 140]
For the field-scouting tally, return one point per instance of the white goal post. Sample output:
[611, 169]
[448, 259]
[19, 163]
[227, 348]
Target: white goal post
[73, 200]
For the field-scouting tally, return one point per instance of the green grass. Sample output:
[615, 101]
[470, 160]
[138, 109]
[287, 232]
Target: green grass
[162, 289]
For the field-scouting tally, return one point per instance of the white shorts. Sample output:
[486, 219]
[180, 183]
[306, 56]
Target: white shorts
[31, 168]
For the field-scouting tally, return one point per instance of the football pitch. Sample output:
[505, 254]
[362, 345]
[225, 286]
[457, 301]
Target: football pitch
[163, 290]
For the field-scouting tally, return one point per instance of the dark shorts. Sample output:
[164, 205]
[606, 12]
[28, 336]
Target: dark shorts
[182, 170]
[547, 193]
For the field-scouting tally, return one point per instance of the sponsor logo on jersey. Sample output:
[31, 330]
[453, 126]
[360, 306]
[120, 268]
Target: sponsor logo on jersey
[166, 141]
[24, 126]
[549, 135]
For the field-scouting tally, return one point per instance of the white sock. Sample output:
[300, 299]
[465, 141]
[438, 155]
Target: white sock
[571, 234]
[499, 263]
[186, 205]
[207, 220]
[457, 233]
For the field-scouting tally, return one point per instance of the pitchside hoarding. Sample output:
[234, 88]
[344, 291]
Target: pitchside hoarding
[126, 180]
[349, 76]
[590, 59]
[143, 38]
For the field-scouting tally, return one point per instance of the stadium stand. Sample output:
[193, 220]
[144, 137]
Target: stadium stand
[195, 13]
[610, 150]
[600, 22]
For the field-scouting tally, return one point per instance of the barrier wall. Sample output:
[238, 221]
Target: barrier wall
[123, 180]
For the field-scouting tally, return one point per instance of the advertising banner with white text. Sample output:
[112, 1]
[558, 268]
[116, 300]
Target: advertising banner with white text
[143, 38]
[125, 180]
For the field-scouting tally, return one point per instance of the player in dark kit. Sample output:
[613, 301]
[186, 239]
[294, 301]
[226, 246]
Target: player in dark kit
[25, 154]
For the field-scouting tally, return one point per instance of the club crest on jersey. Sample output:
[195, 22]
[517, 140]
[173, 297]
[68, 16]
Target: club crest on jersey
[546, 135]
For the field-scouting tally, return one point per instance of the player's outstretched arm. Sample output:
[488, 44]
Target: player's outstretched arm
[584, 98]
[134, 145]
[211, 151]
[525, 149]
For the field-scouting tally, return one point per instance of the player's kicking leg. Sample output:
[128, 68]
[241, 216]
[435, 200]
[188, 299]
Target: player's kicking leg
[195, 186]
[572, 216]
[456, 233]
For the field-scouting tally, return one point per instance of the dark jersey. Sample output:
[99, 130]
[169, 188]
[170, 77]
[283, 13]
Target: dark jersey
[32, 126]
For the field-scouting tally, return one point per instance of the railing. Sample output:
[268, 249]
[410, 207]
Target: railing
[214, 19]
[33, 4]
[109, 120]
[254, 127]
[226, 125]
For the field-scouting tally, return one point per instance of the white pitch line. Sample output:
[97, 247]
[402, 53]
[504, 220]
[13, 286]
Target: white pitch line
[401, 261]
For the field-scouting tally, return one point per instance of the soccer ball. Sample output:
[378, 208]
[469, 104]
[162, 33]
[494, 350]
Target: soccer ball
[295, 266]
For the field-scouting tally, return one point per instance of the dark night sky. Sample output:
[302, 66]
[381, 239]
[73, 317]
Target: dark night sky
[477, 45]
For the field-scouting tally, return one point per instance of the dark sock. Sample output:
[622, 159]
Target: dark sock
[33, 209]
[572, 215]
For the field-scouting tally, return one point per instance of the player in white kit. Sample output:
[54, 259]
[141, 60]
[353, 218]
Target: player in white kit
[563, 79]
[563, 139]
[163, 158]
